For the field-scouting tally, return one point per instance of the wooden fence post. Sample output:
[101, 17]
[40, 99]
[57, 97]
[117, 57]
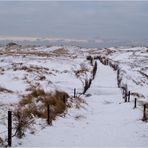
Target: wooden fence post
[49, 121]
[144, 113]
[135, 103]
[9, 128]
[125, 96]
[74, 92]
[129, 93]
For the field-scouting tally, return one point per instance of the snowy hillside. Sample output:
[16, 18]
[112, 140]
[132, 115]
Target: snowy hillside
[97, 117]
[132, 68]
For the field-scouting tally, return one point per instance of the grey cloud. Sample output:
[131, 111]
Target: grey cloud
[124, 20]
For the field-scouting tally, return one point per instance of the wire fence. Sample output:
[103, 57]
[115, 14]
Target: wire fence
[14, 129]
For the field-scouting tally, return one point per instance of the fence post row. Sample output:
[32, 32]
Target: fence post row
[9, 128]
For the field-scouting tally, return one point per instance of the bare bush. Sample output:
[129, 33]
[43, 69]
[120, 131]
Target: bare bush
[82, 74]
[85, 75]
[113, 65]
[103, 60]
[22, 121]
[87, 85]
[90, 58]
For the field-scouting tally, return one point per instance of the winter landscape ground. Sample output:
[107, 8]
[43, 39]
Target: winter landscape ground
[97, 116]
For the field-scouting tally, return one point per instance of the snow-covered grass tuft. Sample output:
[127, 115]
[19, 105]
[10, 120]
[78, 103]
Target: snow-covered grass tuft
[35, 104]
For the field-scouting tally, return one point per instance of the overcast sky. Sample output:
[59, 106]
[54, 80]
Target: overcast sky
[81, 20]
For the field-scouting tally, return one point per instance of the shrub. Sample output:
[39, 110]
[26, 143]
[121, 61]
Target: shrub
[87, 85]
[37, 101]
[90, 59]
[22, 121]
[82, 72]
[35, 104]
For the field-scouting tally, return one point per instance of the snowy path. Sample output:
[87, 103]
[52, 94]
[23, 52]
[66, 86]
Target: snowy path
[107, 120]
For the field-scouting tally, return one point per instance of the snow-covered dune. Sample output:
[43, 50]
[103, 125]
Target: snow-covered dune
[132, 67]
[102, 118]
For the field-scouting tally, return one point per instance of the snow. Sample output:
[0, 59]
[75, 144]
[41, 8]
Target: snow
[131, 61]
[104, 120]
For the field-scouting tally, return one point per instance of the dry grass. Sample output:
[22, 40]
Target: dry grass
[82, 74]
[42, 78]
[109, 51]
[21, 122]
[25, 53]
[37, 101]
[2, 89]
[35, 104]
[81, 71]
[29, 69]
[136, 94]
[60, 51]
[77, 102]
[113, 65]
[102, 59]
